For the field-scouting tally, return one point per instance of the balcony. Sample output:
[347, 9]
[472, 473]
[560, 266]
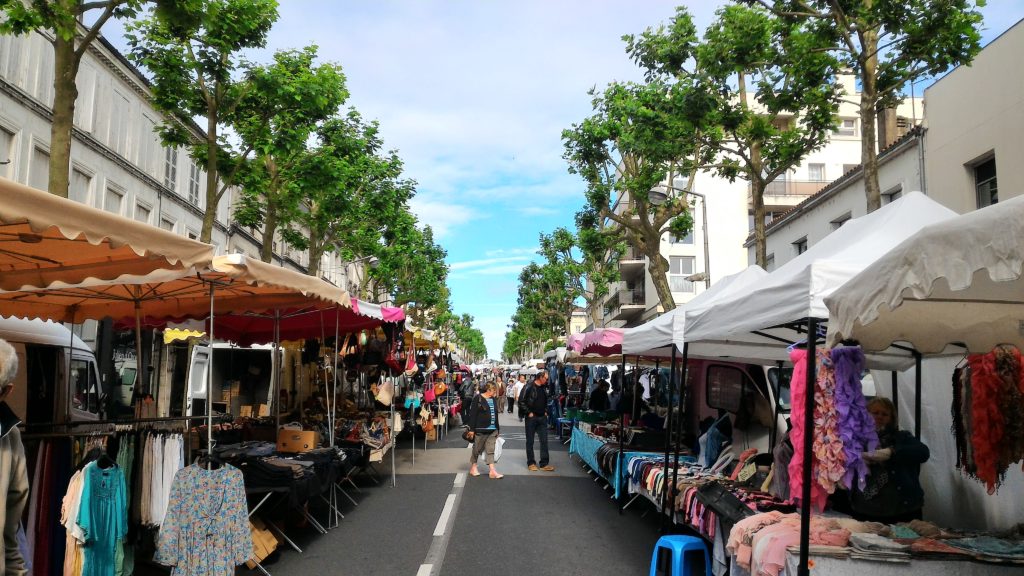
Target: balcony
[787, 192]
[624, 302]
[631, 263]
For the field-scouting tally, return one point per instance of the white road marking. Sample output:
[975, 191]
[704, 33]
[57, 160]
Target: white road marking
[424, 570]
[460, 479]
[442, 522]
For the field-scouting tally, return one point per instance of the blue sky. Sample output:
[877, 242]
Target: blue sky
[474, 96]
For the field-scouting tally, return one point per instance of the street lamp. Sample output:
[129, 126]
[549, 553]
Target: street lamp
[658, 196]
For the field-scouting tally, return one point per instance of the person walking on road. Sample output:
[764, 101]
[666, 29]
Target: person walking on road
[533, 401]
[511, 390]
[484, 429]
[520, 387]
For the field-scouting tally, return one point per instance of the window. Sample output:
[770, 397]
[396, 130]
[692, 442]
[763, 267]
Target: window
[80, 186]
[167, 224]
[171, 168]
[113, 200]
[769, 262]
[119, 120]
[6, 151]
[800, 246]
[688, 239]
[87, 394]
[39, 172]
[193, 184]
[149, 146]
[892, 194]
[679, 267]
[192, 234]
[816, 172]
[985, 183]
[838, 222]
[142, 213]
[778, 379]
[725, 388]
[847, 127]
[86, 83]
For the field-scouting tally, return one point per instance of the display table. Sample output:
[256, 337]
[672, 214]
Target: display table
[854, 567]
[586, 446]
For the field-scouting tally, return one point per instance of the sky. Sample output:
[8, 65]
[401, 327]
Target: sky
[474, 95]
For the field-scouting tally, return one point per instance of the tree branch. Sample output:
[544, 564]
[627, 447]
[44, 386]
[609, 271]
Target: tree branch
[95, 30]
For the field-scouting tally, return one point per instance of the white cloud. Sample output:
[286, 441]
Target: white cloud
[442, 217]
[485, 262]
[538, 211]
[532, 251]
[496, 270]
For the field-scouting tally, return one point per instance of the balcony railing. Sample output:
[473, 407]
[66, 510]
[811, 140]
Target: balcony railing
[680, 284]
[791, 188]
[631, 253]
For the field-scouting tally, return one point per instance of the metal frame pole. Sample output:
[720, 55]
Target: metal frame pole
[805, 498]
[668, 436]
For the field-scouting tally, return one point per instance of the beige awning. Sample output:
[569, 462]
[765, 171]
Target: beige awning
[241, 285]
[46, 239]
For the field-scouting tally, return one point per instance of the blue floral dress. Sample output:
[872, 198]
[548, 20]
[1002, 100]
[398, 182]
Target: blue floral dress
[206, 530]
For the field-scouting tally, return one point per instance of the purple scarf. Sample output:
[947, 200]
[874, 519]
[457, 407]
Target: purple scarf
[856, 427]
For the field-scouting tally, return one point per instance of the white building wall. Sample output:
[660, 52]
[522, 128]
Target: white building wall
[972, 113]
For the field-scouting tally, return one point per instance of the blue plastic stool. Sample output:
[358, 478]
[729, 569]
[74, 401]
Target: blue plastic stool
[678, 555]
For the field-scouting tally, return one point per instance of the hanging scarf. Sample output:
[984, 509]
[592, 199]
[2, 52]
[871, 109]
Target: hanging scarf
[798, 401]
[856, 427]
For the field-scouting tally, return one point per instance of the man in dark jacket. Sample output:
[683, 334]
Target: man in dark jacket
[14, 480]
[533, 401]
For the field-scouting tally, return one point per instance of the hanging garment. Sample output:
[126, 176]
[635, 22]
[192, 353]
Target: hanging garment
[206, 529]
[996, 416]
[829, 456]
[856, 427]
[73, 552]
[103, 518]
[798, 401]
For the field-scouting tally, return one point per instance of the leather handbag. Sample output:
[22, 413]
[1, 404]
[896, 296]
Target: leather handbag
[468, 436]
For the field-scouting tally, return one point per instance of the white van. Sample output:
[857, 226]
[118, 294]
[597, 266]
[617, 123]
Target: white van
[58, 376]
[241, 376]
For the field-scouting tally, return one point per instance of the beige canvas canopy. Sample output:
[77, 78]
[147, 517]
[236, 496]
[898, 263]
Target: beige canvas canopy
[241, 285]
[45, 239]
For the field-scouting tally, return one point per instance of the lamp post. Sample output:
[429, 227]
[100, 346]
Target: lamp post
[659, 195]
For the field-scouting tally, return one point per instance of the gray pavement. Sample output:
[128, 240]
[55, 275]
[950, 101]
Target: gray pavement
[437, 521]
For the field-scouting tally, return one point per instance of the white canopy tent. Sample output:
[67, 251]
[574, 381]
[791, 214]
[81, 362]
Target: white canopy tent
[759, 325]
[655, 338]
[961, 282]
[957, 281]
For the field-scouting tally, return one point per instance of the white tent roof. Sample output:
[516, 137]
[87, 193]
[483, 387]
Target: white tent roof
[656, 337]
[956, 281]
[752, 325]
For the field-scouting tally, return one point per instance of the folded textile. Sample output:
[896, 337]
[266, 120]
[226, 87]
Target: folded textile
[876, 543]
[823, 550]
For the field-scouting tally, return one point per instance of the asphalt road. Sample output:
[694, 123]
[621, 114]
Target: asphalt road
[437, 521]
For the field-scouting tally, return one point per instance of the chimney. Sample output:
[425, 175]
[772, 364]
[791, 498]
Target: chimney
[888, 131]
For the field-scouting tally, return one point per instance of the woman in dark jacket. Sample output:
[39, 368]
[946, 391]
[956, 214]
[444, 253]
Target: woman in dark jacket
[892, 492]
[482, 421]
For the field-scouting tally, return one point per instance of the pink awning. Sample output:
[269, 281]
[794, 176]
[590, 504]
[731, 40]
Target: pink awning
[371, 310]
[575, 342]
[603, 341]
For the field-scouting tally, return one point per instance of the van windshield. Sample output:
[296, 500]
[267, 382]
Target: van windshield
[779, 380]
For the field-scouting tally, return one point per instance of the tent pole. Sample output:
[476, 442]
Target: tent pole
[679, 435]
[276, 365]
[805, 497]
[140, 370]
[895, 392]
[917, 394]
[668, 437]
[778, 407]
[334, 372]
[622, 433]
[209, 388]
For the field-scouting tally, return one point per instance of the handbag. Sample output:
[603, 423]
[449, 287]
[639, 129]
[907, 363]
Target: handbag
[440, 388]
[385, 392]
[428, 394]
[468, 436]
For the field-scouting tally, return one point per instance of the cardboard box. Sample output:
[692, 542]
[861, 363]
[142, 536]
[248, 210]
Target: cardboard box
[432, 435]
[296, 441]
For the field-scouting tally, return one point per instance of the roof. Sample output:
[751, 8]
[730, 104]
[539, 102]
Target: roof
[840, 183]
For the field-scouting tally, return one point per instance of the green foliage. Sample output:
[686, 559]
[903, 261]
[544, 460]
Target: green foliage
[642, 135]
[886, 43]
[748, 52]
[284, 103]
[61, 17]
[192, 51]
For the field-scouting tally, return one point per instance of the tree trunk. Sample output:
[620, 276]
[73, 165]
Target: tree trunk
[269, 229]
[658, 267]
[757, 186]
[65, 93]
[868, 105]
[210, 214]
[596, 314]
[316, 251]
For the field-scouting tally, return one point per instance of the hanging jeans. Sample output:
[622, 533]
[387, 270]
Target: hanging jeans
[538, 424]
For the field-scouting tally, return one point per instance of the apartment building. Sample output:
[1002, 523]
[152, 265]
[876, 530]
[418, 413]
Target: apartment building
[965, 155]
[723, 220]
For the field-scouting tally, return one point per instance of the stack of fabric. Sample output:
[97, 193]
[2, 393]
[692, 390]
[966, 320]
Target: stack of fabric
[878, 548]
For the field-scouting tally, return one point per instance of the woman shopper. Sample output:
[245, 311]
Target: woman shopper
[484, 428]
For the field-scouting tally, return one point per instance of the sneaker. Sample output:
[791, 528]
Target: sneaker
[548, 468]
[533, 468]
